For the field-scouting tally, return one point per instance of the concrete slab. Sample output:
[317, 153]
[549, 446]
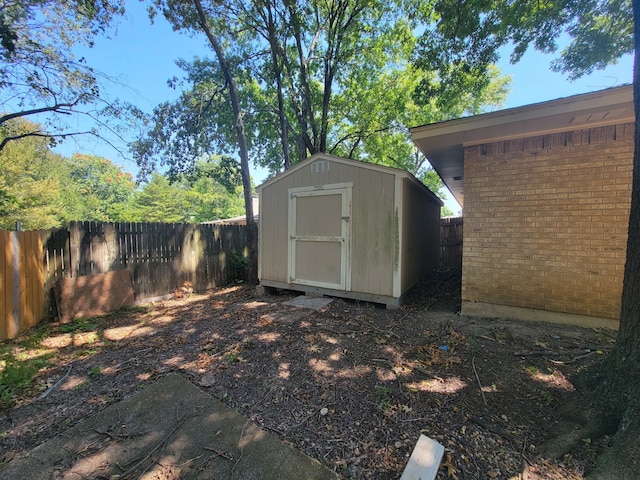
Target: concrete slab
[171, 429]
[314, 303]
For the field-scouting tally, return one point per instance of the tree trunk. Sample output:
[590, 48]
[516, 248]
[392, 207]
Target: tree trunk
[277, 72]
[609, 392]
[252, 237]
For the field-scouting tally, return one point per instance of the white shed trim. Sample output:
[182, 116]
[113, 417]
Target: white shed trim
[397, 246]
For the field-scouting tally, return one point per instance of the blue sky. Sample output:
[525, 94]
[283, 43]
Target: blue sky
[141, 57]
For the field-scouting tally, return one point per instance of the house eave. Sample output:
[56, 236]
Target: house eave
[443, 143]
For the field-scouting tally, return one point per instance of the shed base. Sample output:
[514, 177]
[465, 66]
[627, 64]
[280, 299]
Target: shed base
[390, 302]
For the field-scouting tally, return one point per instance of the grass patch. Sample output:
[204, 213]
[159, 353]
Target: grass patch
[92, 324]
[80, 325]
[21, 359]
[35, 335]
[17, 375]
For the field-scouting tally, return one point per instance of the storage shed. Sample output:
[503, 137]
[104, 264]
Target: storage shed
[341, 227]
[546, 192]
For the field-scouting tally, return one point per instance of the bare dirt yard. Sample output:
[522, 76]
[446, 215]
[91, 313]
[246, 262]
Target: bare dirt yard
[353, 385]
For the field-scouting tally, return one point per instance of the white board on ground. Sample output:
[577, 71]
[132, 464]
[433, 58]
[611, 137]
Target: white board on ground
[424, 461]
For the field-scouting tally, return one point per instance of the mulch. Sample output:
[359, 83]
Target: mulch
[353, 385]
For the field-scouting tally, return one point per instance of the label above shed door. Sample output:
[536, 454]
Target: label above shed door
[320, 166]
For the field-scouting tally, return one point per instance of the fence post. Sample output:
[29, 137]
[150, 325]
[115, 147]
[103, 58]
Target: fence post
[13, 324]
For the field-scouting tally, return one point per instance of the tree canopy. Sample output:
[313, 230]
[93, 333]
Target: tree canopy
[312, 76]
[42, 190]
[466, 37]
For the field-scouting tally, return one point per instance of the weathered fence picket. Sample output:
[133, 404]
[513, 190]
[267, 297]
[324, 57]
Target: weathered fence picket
[451, 242]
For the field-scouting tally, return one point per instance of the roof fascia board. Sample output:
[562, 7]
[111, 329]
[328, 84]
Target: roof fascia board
[575, 104]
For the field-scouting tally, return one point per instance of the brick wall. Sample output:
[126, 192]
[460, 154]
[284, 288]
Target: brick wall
[546, 221]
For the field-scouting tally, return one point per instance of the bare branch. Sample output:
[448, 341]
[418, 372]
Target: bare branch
[12, 138]
[58, 108]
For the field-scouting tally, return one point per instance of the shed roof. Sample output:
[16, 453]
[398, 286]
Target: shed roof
[443, 143]
[349, 161]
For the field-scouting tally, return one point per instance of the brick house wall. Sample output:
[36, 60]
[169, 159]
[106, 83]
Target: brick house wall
[546, 221]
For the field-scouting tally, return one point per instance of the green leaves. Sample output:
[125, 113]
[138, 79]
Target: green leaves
[467, 35]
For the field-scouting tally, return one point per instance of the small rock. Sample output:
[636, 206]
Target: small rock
[208, 380]
[399, 444]
[493, 473]
[324, 411]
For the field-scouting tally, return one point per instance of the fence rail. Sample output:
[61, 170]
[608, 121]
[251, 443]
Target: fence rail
[160, 257]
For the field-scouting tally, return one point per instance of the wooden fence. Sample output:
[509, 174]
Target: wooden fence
[22, 286]
[160, 258]
[451, 242]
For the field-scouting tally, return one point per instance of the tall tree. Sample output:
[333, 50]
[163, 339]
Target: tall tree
[600, 32]
[195, 17]
[305, 86]
[160, 201]
[40, 78]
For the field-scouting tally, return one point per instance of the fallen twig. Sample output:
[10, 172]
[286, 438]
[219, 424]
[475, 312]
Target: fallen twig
[473, 364]
[116, 437]
[309, 416]
[241, 448]
[486, 338]
[494, 429]
[219, 453]
[383, 331]
[55, 385]
[574, 359]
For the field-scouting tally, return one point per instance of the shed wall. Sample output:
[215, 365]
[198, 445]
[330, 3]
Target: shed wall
[421, 234]
[372, 215]
[546, 221]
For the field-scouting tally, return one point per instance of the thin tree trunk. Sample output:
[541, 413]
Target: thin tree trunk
[252, 238]
[277, 71]
[307, 114]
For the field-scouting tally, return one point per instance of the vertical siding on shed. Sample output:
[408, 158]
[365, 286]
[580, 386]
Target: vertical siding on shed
[374, 232]
[371, 217]
[421, 234]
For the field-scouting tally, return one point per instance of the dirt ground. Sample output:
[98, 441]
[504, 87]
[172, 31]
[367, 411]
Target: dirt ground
[353, 385]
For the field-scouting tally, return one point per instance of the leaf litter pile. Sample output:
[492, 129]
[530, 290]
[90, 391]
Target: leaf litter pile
[353, 385]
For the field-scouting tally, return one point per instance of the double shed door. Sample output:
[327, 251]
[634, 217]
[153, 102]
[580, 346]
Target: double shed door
[320, 236]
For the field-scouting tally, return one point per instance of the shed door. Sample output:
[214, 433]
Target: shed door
[319, 236]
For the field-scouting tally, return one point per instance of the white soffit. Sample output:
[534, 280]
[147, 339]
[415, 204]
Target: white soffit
[442, 143]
